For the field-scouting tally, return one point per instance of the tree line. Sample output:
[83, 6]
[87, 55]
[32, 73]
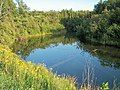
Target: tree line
[17, 20]
[102, 25]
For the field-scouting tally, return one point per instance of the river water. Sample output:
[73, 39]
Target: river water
[66, 55]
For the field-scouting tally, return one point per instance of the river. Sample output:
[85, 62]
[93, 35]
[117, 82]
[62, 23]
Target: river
[66, 55]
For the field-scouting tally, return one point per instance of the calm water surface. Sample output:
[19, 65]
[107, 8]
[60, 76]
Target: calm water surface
[67, 55]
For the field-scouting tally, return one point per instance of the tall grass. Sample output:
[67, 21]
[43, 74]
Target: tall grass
[88, 82]
[16, 74]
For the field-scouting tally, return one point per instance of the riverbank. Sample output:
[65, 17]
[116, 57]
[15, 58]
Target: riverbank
[60, 32]
[17, 23]
[15, 73]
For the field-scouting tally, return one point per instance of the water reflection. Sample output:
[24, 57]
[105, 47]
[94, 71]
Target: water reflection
[67, 55]
[25, 47]
[108, 56]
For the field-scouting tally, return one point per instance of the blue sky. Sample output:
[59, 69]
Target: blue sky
[47, 5]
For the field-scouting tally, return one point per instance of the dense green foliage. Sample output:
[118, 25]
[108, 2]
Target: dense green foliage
[18, 21]
[21, 22]
[101, 25]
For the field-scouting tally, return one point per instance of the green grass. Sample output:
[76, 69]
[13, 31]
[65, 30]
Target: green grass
[16, 74]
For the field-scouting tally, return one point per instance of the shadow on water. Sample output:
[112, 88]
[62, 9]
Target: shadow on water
[24, 48]
[108, 56]
[69, 55]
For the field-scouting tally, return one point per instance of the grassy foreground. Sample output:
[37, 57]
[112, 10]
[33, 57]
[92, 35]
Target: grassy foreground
[16, 74]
